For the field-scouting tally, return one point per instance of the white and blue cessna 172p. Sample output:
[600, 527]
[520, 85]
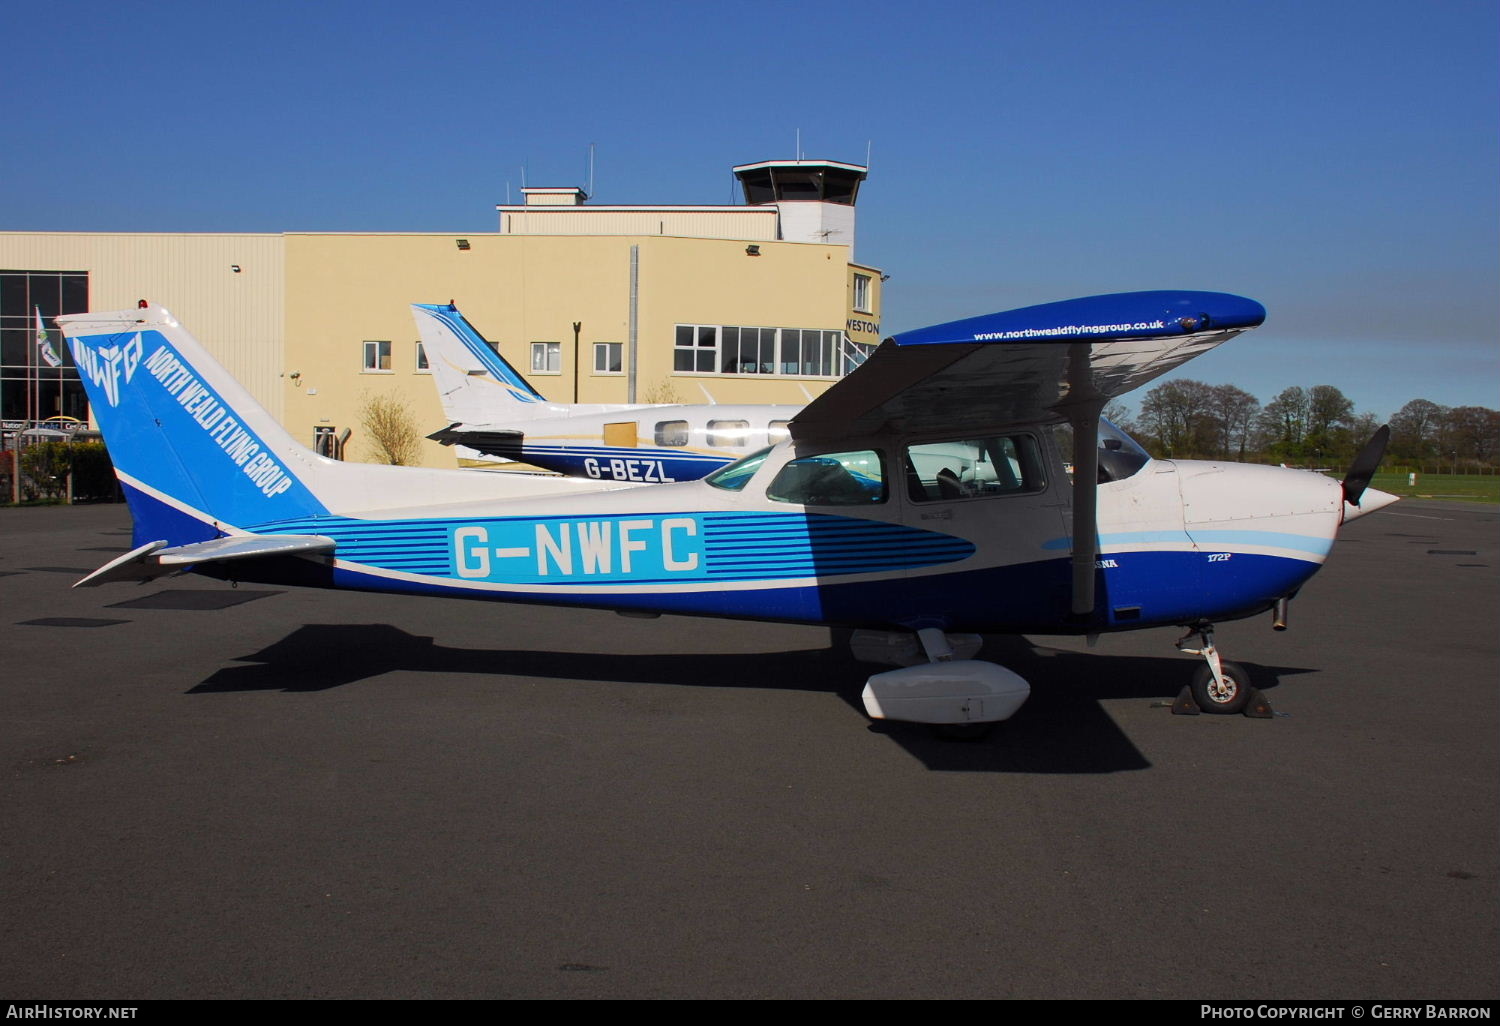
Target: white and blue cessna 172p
[927, 496]
[493, 409]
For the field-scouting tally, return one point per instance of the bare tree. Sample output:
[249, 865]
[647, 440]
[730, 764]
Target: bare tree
[1415, 427]
[1472, 431]
[391, 429]
[1233, 411]
[663, 393]
[1283, 423]
[1329, 412]
[1175, 414]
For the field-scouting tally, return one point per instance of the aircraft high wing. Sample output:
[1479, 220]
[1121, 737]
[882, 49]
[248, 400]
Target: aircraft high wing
[493, 409]
[922, 500]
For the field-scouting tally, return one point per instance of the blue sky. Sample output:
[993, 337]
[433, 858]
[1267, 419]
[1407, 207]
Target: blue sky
[1338, 162]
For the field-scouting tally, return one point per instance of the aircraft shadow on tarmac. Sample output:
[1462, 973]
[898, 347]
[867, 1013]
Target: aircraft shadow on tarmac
[1061, 729]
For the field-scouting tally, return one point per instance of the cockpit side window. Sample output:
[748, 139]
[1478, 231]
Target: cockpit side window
[736, 475]
[831, 479]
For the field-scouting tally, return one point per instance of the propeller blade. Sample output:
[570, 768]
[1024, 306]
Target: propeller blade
[1363, 467]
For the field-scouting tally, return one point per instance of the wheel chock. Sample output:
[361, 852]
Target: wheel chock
[1257, 708]
[1185, 706]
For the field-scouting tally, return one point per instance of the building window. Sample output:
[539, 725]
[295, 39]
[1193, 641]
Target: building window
[608, 357]
[377, 358]
[422, 365]
[546, 357]
[697, 349]
[852, 354]
[862, 293]
[32, 387]
[749, 351]
[733, 349]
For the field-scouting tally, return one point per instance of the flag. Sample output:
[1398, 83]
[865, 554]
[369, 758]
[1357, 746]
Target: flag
[44, 344]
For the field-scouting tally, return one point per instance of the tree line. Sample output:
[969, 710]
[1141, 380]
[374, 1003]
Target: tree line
[1307, 426]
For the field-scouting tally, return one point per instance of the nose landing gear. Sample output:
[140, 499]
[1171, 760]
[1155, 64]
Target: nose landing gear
[1218, 687]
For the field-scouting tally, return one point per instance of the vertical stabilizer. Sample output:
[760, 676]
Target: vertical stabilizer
[475, 384]
[197, 455]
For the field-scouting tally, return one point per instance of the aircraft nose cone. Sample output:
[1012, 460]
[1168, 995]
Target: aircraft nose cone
[1372, 500]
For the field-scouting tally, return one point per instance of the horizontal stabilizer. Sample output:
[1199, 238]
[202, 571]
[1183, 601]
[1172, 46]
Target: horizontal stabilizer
[155, 559]
[491, 441]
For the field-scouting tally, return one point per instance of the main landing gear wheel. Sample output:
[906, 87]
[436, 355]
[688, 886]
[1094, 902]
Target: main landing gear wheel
[1224, 699]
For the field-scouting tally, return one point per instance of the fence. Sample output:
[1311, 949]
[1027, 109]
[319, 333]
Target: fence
[57, 471]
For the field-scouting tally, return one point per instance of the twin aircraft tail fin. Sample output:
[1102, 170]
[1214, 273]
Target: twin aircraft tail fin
[475, 384]
[197, 456]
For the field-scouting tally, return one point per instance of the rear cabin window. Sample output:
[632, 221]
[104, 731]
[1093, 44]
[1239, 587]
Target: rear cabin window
[672, 432]
[728, 434]
[831, 479]
[974, 468]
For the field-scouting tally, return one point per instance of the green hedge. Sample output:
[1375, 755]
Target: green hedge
[45, 467]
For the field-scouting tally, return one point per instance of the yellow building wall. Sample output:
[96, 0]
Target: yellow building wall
[863, 325]
[703, 281]
[343, 290]
[291, 323]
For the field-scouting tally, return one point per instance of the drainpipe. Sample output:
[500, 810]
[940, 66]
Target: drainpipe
[635, 318]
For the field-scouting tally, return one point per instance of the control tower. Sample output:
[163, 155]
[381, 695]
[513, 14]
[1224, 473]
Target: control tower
[815, 198]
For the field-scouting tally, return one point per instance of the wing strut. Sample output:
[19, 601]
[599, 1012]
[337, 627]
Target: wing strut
[1085, 507]
[1083, 409]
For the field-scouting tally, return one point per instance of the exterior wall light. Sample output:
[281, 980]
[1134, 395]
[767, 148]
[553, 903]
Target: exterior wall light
[461, 243]
[752, 251]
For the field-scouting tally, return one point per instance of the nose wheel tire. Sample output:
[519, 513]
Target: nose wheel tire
[1226, 699]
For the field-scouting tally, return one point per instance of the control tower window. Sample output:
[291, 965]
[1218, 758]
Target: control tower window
[839, 188]
[758, 187]
[800, 185]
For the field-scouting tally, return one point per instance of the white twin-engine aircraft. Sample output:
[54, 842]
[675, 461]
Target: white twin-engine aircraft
[493, 409]
[956, 483]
